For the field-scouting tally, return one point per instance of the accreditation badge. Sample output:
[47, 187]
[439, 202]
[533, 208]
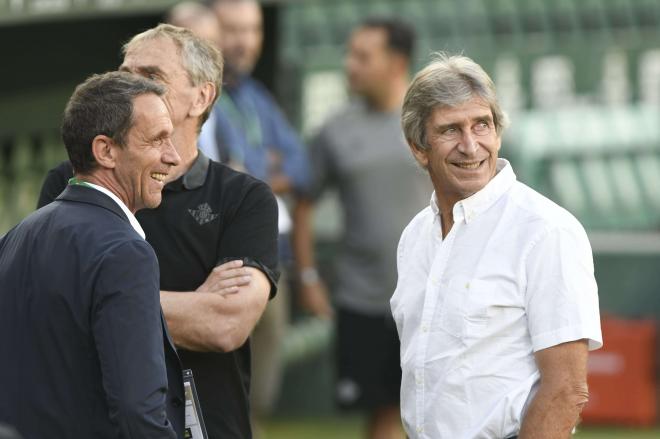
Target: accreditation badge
[195, 428]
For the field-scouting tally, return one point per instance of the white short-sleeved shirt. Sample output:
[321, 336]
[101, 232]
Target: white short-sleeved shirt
[513, 276]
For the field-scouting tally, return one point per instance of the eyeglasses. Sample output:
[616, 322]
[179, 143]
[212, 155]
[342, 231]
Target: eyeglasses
[480, 129]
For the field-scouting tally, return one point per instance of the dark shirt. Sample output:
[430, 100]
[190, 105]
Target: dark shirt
[210, 215]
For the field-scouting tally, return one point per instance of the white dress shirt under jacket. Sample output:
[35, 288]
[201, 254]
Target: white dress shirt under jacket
[513, 276]
[131, 218]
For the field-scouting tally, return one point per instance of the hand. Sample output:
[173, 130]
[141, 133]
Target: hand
[226, 278]
[314, 299]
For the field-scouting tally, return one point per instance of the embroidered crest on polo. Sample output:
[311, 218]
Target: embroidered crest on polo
[203, 214]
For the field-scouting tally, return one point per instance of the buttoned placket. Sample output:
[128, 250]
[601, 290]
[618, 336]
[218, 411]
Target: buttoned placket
[442, 251]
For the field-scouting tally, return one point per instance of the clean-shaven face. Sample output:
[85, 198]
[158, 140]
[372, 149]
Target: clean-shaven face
[463, 145]
[159, 59]
[368, 62]
[144, 162]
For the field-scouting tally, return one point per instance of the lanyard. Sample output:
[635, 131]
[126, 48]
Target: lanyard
[247, 119]
[75, 182]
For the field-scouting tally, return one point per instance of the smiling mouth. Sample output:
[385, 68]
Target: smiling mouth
[158, 176]
[468, 165]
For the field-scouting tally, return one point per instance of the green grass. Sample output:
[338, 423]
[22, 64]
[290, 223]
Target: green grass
[352, 428]
[617, 433]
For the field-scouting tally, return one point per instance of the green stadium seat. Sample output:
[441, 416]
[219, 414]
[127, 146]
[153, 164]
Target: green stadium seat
[620, 15]
[505, 20]
[591, 14]
[563, 18]
[568, 188]
[647, 14]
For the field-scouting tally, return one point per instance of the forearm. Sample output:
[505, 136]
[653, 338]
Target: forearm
[553, 413]
[562, 392]
[280, 184]
[211, 322]
[303, 236]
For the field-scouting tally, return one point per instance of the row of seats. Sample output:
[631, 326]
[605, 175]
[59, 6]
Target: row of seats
[25, 161]
[314, 22]
[314, 34]
[602, 164]
[555, 62]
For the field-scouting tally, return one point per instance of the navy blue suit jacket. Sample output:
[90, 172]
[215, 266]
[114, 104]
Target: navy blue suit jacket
[83, 345]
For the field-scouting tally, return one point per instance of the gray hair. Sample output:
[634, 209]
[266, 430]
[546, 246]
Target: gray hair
[103, 104]
[200, 59]
[447, 81]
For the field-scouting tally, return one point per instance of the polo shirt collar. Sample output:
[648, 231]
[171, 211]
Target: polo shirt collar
[195, 177]
[470, 208]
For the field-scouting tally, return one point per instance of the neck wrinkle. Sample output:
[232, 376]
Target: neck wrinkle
[105, 178]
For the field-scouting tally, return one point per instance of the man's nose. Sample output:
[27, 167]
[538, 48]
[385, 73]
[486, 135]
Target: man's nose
[170, 156]
[468, 144]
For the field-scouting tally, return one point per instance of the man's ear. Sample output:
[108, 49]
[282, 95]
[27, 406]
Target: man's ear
[205, 96]
[104, 151]
[420, 154]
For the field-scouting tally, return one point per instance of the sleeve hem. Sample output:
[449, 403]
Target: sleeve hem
[567, 334]
[272, 275]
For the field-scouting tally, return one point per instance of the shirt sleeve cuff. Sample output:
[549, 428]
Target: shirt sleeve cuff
[567, 334]
[272, 275]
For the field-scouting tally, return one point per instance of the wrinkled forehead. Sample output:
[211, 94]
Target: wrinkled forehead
[472, 105]
[159, 52]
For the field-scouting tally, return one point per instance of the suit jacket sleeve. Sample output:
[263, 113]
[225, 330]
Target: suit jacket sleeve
[129, 340]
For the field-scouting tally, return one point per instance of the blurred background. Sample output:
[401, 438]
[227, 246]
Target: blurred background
[580, 80]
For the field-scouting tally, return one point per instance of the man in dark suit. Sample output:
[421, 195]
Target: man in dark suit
[81, 332]
[215, 233]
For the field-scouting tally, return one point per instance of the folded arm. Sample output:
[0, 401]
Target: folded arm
[222, 313]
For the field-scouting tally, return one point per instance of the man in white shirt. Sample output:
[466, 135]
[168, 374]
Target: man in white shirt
[496, 303]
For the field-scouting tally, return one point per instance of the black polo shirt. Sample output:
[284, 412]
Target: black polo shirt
[209, 215]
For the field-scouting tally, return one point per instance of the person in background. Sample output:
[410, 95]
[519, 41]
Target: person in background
[82, 336]
[215, 233]
[201, 20]
[496, 303]
[248, 132]
[362, 152]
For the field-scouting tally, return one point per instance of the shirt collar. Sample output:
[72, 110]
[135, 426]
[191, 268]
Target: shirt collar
[131, 218]
[195, 177]
[470, 208]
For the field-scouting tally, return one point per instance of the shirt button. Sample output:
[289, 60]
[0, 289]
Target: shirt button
[467, 286]
[420, 429]
[425, 328]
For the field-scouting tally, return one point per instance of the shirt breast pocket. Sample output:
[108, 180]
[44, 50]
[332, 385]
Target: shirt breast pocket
[474, 308]
[492, 310]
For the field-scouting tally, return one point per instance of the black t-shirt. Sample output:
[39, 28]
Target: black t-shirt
[210, 215]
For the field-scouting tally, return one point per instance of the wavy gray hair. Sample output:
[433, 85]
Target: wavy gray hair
[200, 59]
[447, 81]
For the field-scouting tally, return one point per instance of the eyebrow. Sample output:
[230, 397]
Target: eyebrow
[440, 128]
[161, 134]
[143, 70]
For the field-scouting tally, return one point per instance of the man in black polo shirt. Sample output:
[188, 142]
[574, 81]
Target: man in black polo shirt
[215, 233]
